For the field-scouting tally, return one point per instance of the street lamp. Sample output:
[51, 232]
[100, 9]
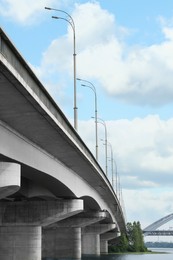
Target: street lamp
[112, 160]
[116, 174]
[72, 24]
[92, 87]
[101, 121]
[119, 184]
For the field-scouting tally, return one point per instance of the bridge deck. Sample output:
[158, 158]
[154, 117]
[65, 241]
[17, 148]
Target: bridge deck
[26, 107]
[158, 233]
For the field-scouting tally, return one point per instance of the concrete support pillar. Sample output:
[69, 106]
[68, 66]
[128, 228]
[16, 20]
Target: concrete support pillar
[61, 243]
[63, 238]
[21, 223]
[103, 246]
[10, 178]
[20, 243]
[104, 238]
[91, 238]
[91, 244]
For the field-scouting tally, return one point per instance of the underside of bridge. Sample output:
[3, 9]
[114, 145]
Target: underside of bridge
[37, 221]
[55, 200]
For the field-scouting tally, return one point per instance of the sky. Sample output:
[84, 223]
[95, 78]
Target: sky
[125, 49]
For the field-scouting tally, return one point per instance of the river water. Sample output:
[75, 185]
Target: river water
[168, 255]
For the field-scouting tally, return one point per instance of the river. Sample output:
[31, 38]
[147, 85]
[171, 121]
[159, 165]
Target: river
[161, 256]
[168, 255]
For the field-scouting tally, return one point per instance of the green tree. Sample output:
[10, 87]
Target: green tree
[124, 243]
[129, 229]
[131, 241]
[135, 237]
[142, 247]
[121, 245]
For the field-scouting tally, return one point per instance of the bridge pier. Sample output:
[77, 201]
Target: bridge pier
[91, 244]
[62, 243]
[10, 176]
[104, 238]
[20, 242]
[103, 246]
[63, 239]
[31, 230]
[21, 225]
[91, 238]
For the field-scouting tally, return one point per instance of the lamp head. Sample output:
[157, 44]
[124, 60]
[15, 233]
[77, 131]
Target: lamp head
[56, 17]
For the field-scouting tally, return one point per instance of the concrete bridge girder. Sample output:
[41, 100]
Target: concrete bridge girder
[46, 169]
[98, 228]
[81, 220]
[37, 213]
[40, 120]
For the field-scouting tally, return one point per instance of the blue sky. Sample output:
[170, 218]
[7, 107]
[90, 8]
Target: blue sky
[125, 48]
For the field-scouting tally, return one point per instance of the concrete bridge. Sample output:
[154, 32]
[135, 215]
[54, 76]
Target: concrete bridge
[55, 200]
[152, 230]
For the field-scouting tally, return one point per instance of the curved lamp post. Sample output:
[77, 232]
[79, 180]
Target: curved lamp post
[72, 24]
[112, 160]
[119, 184]
[92, 87]
[101, 121]
[116, 175]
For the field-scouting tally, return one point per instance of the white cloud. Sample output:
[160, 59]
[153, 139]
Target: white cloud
[142, 150]
[89, 18]
[139, 75]
[148, 206]
[24, 11]
[91, 24]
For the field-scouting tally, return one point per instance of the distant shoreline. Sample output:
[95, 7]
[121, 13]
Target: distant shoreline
[139, 253]
[159, 245]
